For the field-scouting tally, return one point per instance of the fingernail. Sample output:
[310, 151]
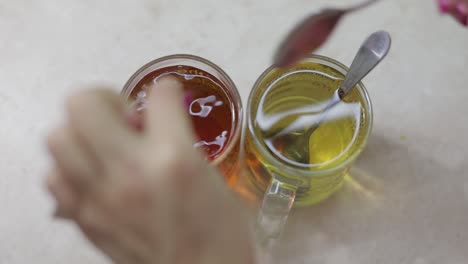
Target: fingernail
[168, 85]
[165, 83]
[168, 81]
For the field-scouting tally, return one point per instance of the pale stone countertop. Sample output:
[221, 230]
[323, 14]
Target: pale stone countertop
[410, 202]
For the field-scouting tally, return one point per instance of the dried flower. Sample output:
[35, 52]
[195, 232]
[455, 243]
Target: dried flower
[456, 8]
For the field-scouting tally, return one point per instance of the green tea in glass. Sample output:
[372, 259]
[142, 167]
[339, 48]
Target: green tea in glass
[291, 100]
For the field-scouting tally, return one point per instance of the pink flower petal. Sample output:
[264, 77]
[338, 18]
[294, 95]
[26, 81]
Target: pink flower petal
[463, 8]
[445, 6]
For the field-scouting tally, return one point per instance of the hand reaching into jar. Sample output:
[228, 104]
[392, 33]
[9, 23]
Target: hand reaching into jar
[144, 196]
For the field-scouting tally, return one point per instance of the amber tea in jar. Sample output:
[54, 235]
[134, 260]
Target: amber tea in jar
[212, 102]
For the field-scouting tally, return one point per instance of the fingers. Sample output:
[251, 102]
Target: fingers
[106, 245]
[97, 118]
[167, 118]
[106, 231]
[135, 120]
[72, 160]
[64, 194]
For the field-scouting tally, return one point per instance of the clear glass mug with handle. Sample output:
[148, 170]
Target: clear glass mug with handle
[214, 105]
[290, 100]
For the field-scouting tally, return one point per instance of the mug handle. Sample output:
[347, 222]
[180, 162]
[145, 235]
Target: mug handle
[276, 205]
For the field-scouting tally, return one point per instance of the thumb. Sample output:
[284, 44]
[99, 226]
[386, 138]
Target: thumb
[166, 116]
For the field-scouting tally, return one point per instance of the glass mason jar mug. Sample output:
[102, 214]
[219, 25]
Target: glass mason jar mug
[282, 106]
[212, 101]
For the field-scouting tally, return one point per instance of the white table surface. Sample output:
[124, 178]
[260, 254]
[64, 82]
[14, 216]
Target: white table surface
[409, 201]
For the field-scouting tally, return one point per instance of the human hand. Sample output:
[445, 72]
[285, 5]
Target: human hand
[144, 196]
[457, 8]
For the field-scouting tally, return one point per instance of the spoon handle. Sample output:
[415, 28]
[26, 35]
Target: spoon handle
[371, 53]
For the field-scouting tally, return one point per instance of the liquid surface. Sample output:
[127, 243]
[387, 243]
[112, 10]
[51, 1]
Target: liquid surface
[287, 103]
[208, 103]
[292, 104]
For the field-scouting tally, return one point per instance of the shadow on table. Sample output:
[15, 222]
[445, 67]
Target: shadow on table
[393, 203]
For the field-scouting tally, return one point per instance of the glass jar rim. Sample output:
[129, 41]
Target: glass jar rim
[186, 59]
[305, 171]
